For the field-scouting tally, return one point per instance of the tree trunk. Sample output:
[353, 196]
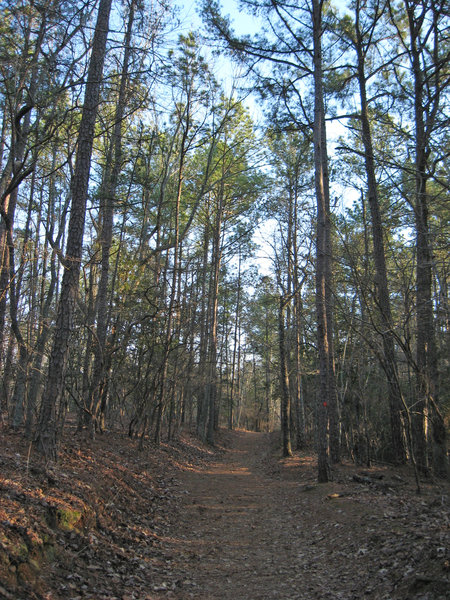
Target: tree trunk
[107, 198]
[327, 399]
[235, 366]
[426, 84]
[47, 429]
[216, 259]
[176, 266]
[47, 294]
[382, 292]
[202, 410]
[284, 380]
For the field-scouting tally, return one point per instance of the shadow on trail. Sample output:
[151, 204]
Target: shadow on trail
[250, 529]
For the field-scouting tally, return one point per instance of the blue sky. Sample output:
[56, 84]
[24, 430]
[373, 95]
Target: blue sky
[242, 22]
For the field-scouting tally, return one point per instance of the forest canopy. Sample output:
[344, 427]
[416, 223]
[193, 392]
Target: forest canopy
[139, 191]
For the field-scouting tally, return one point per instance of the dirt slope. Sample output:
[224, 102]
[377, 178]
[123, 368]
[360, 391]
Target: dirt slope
[237, 522]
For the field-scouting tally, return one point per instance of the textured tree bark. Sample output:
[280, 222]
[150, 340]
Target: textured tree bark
[107, 197]
[235, 366]
[427, 91]
[47, 442]
[216, 261]
[4, 281]
[284, 380]
[202, 411]
[382, 290]
[170, 309]
[19, 135]
[327, 397]
[298, 328]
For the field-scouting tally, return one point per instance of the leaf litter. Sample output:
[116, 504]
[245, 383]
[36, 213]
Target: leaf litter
[184, 520]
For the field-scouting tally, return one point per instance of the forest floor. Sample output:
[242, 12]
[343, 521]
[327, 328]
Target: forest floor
[236, 522]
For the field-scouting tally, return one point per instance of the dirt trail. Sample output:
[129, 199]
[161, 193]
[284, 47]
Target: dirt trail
[249, 529]
[234, 526]
[236, 522]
